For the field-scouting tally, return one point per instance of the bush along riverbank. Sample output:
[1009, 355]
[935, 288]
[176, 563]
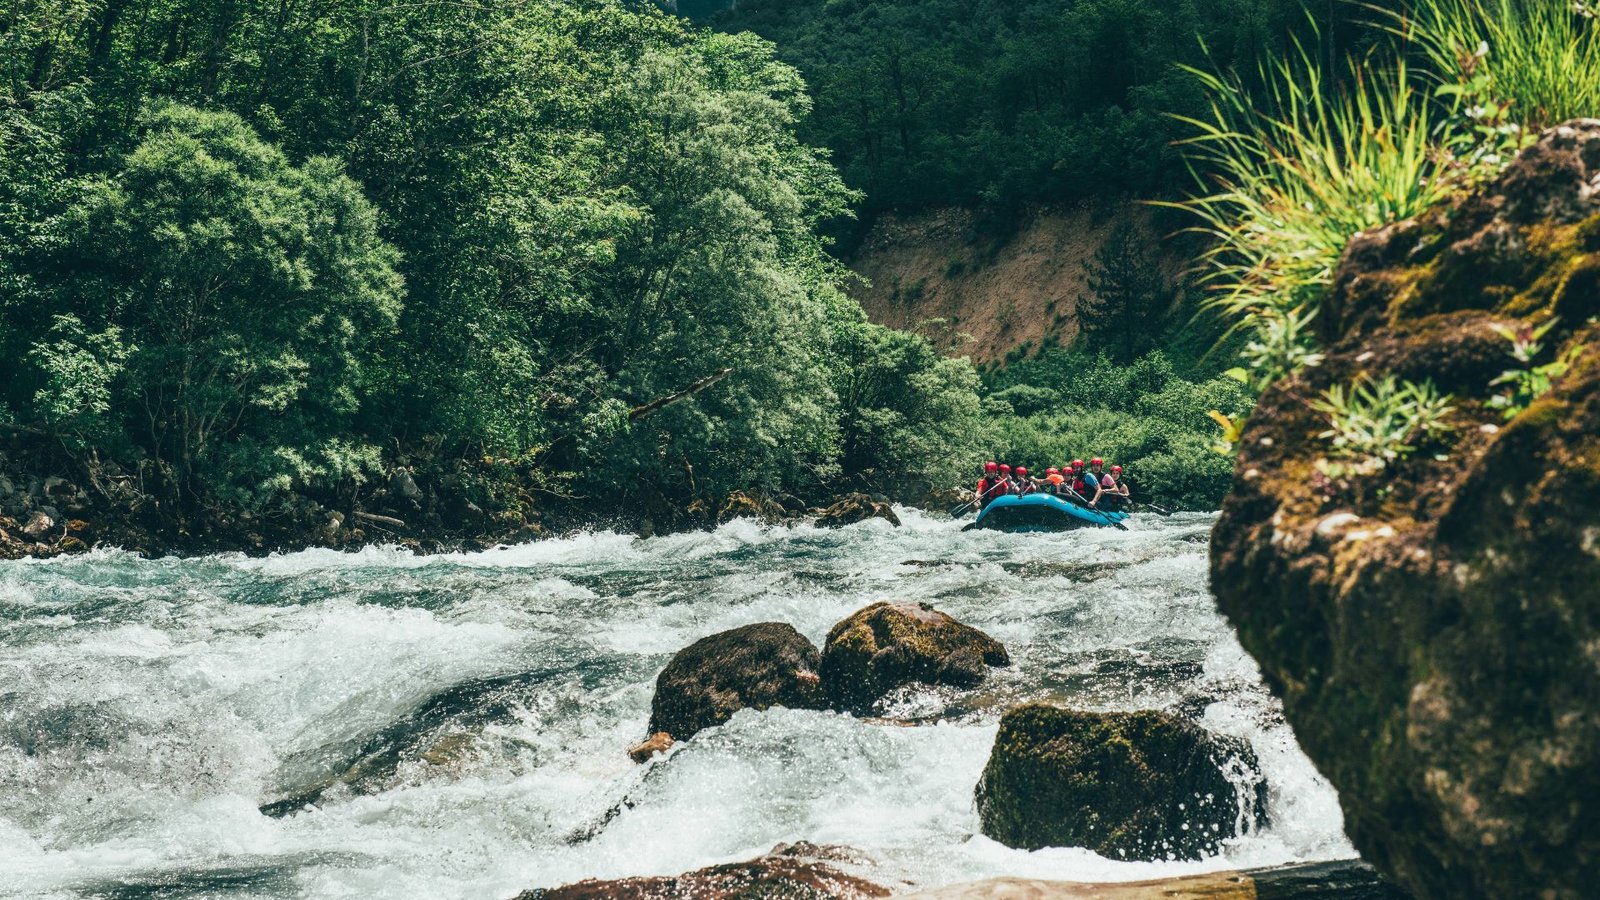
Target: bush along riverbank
[53, 502]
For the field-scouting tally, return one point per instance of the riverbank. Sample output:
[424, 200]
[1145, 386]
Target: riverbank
[53, 502]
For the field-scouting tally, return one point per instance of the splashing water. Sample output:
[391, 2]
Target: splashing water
[377, 724]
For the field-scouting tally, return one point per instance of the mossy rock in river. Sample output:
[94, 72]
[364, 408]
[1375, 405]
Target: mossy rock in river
[1127, 785]
[1433, 630]
[893, 643]
[853, 508]
[758, 666]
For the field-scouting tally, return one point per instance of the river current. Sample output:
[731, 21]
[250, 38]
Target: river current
[378, 724]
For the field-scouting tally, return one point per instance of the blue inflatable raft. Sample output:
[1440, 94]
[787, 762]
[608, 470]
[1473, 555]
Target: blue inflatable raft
[1043, 512]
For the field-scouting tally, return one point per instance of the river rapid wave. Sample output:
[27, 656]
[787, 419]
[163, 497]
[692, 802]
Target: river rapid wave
[378, 724]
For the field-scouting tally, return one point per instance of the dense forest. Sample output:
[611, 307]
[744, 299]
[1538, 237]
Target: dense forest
[578, 252]
[1007, 103]
[564, 249]
[256, 248]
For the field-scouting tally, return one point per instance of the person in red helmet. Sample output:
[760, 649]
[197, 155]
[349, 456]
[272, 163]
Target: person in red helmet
[1113, 490]
[1084, 483]
[987, 485]
[1024, 484]
[1097, 475]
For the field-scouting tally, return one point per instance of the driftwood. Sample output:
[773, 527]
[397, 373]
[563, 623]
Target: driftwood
[639, 412]
[389, 521]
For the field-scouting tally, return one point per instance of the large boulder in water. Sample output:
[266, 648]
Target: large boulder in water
[1127, 785]
[893, 643]
[1433, 630]
[759, 666]
[853, 508]
[799, 872]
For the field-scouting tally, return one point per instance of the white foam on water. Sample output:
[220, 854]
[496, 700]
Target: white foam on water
[154, 704]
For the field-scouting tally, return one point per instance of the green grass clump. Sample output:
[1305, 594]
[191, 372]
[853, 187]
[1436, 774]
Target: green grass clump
[1297, 170]
[1541, 57]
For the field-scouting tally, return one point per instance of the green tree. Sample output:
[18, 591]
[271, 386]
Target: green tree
[235, 299]
[1129, 297]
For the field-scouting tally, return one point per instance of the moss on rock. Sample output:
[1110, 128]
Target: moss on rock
[1435, 650]
[893, 643]
[1127, 785]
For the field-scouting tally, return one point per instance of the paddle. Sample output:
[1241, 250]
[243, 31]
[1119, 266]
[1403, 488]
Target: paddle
[1158, 510]
[961, 510]
[1085, 504]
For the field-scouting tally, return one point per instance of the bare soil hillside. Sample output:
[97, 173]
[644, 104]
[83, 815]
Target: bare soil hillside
[998, 286]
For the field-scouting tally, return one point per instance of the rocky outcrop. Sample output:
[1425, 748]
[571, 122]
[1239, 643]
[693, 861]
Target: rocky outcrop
[854, 508]
[1139, 785]
[757, 666]
[893, 643]
[1433, 630]
[790, 872]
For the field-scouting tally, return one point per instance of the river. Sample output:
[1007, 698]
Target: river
[455, 725]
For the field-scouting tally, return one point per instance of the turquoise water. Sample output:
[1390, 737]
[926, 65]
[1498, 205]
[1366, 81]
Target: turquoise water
[378, 724]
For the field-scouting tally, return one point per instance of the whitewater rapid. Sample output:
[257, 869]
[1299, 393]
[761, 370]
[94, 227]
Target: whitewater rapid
[456, 725]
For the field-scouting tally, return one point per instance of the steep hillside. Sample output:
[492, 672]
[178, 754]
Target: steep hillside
[997, 287]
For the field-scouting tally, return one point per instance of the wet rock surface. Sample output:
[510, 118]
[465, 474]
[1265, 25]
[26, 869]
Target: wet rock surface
[1140, 785]
[1432, 630]
[757, 666]
[894, 643]
[855, 508]
[790, 872]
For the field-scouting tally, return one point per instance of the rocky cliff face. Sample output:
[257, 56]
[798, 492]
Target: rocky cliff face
[1434, 630]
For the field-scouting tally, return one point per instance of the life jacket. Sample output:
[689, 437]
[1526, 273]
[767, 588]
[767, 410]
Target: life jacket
[982, 488]
[1108, 483]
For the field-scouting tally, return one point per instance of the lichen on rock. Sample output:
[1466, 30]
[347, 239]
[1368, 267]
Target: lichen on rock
[1128, 785]
[893, 643]
[1432, 630]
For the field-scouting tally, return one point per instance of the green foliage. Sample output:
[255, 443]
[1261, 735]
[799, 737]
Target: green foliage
[235, 298]
[903, 407]
[1006, 102]
[1530, 382]
[1534, 61]
[591, 207]
[1375, 423]
[79, 370]
[1299, 169]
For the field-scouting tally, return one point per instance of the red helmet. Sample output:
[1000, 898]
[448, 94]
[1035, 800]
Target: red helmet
[1005, 469]
[990, 466]
[1077, 464]
[1097, 461]
[1052, 471]
[1116, 470]
[1022, 470]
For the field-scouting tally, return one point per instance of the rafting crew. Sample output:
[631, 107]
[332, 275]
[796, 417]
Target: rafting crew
[1089, 484]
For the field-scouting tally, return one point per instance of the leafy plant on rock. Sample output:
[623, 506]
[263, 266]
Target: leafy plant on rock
[1529, 383]
[1375, 423]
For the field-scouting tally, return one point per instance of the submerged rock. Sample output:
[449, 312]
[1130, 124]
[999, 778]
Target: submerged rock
[893, 643]
[758, 666]
[1139, 785]
[1433, 630]
[798, 872]
[854, 508]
